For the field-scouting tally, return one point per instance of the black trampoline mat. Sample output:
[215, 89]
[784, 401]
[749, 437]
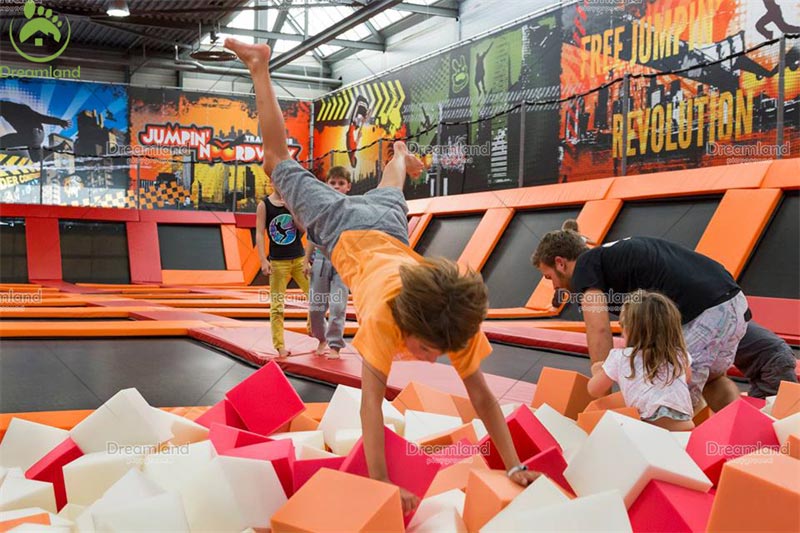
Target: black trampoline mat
[774, 268]
[447, 236]
[49, 375]
[681, 221]
[187, 247]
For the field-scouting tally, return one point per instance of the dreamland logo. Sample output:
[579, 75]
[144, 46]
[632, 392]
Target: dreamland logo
[40, 36]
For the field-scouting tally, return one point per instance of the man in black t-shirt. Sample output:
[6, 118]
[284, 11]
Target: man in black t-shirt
[284, 262]
[765, 360]
[713, 308]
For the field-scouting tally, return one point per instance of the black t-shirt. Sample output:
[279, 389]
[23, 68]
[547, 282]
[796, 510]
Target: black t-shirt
[284, 236]
[693, 281]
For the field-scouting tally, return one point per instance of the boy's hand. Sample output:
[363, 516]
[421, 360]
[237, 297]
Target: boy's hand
[410, 500]
[266, 268]
[307, 269]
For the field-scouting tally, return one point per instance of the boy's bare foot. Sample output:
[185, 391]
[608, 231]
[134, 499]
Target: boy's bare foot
[413, 166]
[283, 352]
[334, 354]
[321, 348]
[252, 55]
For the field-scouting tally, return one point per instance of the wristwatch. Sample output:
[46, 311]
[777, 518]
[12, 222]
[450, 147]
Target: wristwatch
[514, 469]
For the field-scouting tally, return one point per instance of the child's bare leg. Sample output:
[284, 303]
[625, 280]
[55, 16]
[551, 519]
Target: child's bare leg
[403, 162]
[270, 117]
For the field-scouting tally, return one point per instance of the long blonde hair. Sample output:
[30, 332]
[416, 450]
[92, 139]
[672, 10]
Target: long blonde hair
[652, 326]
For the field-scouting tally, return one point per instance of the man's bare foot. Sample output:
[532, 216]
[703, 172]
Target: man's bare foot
[334, 354]
[283, 352]
[252, 55]
[413, 166]
[323, 346]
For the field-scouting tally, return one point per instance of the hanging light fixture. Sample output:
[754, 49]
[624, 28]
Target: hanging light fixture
[118, 8]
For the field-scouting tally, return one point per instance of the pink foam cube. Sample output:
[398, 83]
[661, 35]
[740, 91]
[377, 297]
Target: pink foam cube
[529, 435]
[226, 438]
[662, 506]
[304, 469]
[551, 463]
[48, 468]
[758, 403]
[266, 400]
[221, 413]
[279, 452]
[736, 430]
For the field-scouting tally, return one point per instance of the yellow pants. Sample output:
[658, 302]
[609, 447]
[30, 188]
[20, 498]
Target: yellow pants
[282, 272]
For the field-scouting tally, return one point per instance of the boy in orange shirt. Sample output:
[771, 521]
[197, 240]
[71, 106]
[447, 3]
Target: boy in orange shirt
[408, 307]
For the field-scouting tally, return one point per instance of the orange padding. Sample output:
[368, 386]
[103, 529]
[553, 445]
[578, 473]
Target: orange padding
[483, 241]
[15, 301]
[202, 277]
[736, 226]
[783, 174]
[71, 312]
[419, 228]
[89, 328]
[69, 419]
[518, 312]
[561, 325]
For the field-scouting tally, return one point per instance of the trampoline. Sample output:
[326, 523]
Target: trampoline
[447, 236]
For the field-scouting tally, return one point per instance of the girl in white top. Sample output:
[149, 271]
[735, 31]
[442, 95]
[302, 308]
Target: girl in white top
[652, 370]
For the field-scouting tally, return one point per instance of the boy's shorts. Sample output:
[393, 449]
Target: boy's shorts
[326, 214]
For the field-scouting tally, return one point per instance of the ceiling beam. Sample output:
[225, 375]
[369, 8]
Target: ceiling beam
[347, 23]
[264, 34]
[436, 11]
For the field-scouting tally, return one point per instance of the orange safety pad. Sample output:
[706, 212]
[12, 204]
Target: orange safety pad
[57, 419]
[202, 277]
[418, 206]
[208, 302]
[338, 501]
[783, 174]
[251, 264]
[419, 228]
[587, 420]
[596, 218]
[737, 225]
[43, 243]
[46, 302]
[757, 492]
[542, 298]
[89, 328]
[519, 312]
[230, 246]
[563, 390]
[561, 325]
[70, 312]
[692, 182]
[485, 237]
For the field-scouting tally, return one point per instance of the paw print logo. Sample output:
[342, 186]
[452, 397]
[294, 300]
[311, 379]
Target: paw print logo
[42, 26]
[459, 70]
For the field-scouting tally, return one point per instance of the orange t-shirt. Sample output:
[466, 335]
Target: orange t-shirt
[369, 262]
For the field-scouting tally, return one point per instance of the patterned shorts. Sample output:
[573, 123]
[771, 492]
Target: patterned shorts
[712, 339]
[667, 412]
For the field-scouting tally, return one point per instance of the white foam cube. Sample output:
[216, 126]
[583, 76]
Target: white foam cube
[26, 442]
[184, 431]
[344, 412]
[539, 494]
[566, 431]
[312, 439]
[682, 437]
[307, 452]
[39, 528]
[71, 511]
[767, 409]
[89, 476]
[787, 426]
[480, 428]
[447, 521]
[131, 487]
[176, 465]
[508, 408]
[430, 507]
[163, 512]
[125, 419]
[231, 494]
[344, 440]
[420, 424]
[600, 512]
[19, 493]
[625, 454]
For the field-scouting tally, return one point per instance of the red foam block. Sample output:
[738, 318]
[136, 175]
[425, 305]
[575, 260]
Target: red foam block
[408, 466]
[551, 463]
[226, 438]
[758, 403]
[48, 468]
[221, 413]
[736, 430]
[529, 435]
[266, 400]
[662, 506]
[279, 452]
[304, 469]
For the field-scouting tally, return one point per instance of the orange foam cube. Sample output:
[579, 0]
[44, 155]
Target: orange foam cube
[419, 397]
[793, 446]
[337, 501]
[488, 493]
[315, 410]
[587, 420]
[612, 401]
[456, 476]
[446, 438]
[303, 422]
[465, 408]
[787, 401]
[704, 414]
[564, 390]
[757, 492]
